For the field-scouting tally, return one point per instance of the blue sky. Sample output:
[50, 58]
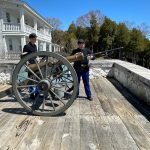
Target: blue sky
[137, 11]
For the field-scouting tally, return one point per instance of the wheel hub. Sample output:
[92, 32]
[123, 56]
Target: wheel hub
[44, 85]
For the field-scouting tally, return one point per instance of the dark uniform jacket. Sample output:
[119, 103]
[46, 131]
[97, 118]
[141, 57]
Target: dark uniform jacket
[84, 64]
[30, 48]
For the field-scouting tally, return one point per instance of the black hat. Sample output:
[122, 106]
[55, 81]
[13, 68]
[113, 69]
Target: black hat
[32, 35]
[80, 41]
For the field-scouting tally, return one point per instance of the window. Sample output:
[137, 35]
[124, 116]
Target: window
[7, 17]
[10, 45]
[18, 20]
[26, 22]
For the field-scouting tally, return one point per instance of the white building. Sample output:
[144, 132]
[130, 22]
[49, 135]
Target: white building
[17, 21]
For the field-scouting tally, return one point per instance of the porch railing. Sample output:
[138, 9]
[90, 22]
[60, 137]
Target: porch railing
[10, 56]
[11, 27]
[29, 29]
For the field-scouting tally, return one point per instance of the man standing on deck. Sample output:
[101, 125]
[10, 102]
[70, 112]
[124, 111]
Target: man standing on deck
[31, 46]
[28, 49]
[82, 67]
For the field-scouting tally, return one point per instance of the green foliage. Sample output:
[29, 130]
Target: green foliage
[107, 34]
[136, 43]
[101, 33]
[122, 37]
[93, 32]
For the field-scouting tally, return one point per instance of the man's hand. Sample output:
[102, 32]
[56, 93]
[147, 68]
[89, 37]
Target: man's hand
[89, 57]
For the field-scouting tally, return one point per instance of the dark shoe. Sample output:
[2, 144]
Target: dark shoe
[90, 98]
[32, 96]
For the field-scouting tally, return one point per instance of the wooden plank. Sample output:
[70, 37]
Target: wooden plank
[85, 108]
[121, 136]
[14, 130]
[103, 99]
[140, 135]
[73, 110]
[96, 107]
[71, 134]
[104, 133]
[88, 134]
[140, 119]
[5, 90]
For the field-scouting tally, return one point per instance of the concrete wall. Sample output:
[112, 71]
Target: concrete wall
[135, 78]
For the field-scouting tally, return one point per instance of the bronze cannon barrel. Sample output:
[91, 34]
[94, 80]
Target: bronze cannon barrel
[77, 57]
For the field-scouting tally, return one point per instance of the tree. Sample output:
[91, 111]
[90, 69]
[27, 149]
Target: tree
[107, 34]
[93, 32]
[71, 42]
[84, 21]
[58, 37]
[54, 22]
[57, 34]
[130, 25]
[72, 28]
[136, 43]
[145, 29]
[122, 36]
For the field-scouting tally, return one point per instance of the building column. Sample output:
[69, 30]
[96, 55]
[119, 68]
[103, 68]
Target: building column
[22, 20]
[44, 46]
[23, 42]
[5, 46]
[35, 26]
[50, 47]
[37, 44]
[1, 19]
[54, 48]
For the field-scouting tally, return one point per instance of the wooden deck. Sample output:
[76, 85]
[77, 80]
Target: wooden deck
[114, 120]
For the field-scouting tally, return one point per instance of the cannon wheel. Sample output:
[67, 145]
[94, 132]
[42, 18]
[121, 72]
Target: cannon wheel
[45, 90]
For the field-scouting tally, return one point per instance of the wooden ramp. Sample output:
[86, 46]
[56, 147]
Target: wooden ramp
[5, 90]
[114, 120]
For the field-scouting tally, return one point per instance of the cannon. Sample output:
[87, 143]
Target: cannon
[42, 81]
[42, 87]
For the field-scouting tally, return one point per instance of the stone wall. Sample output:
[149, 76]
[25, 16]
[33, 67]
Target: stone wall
[6, 70]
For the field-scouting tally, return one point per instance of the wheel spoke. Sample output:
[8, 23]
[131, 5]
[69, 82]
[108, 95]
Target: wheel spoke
[36, 99]
[51, 101]
[59, 75]
[46, 67]
[61, 83]
[32, 72]
[57, 96]
[26, 86]
[61, 90]
[43, 104]
[39, 69]
[28, 78]
[67, 78]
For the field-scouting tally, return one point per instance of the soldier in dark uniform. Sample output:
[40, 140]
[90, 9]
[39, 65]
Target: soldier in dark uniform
[31, 46]
[82, 67]
[28, 49]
